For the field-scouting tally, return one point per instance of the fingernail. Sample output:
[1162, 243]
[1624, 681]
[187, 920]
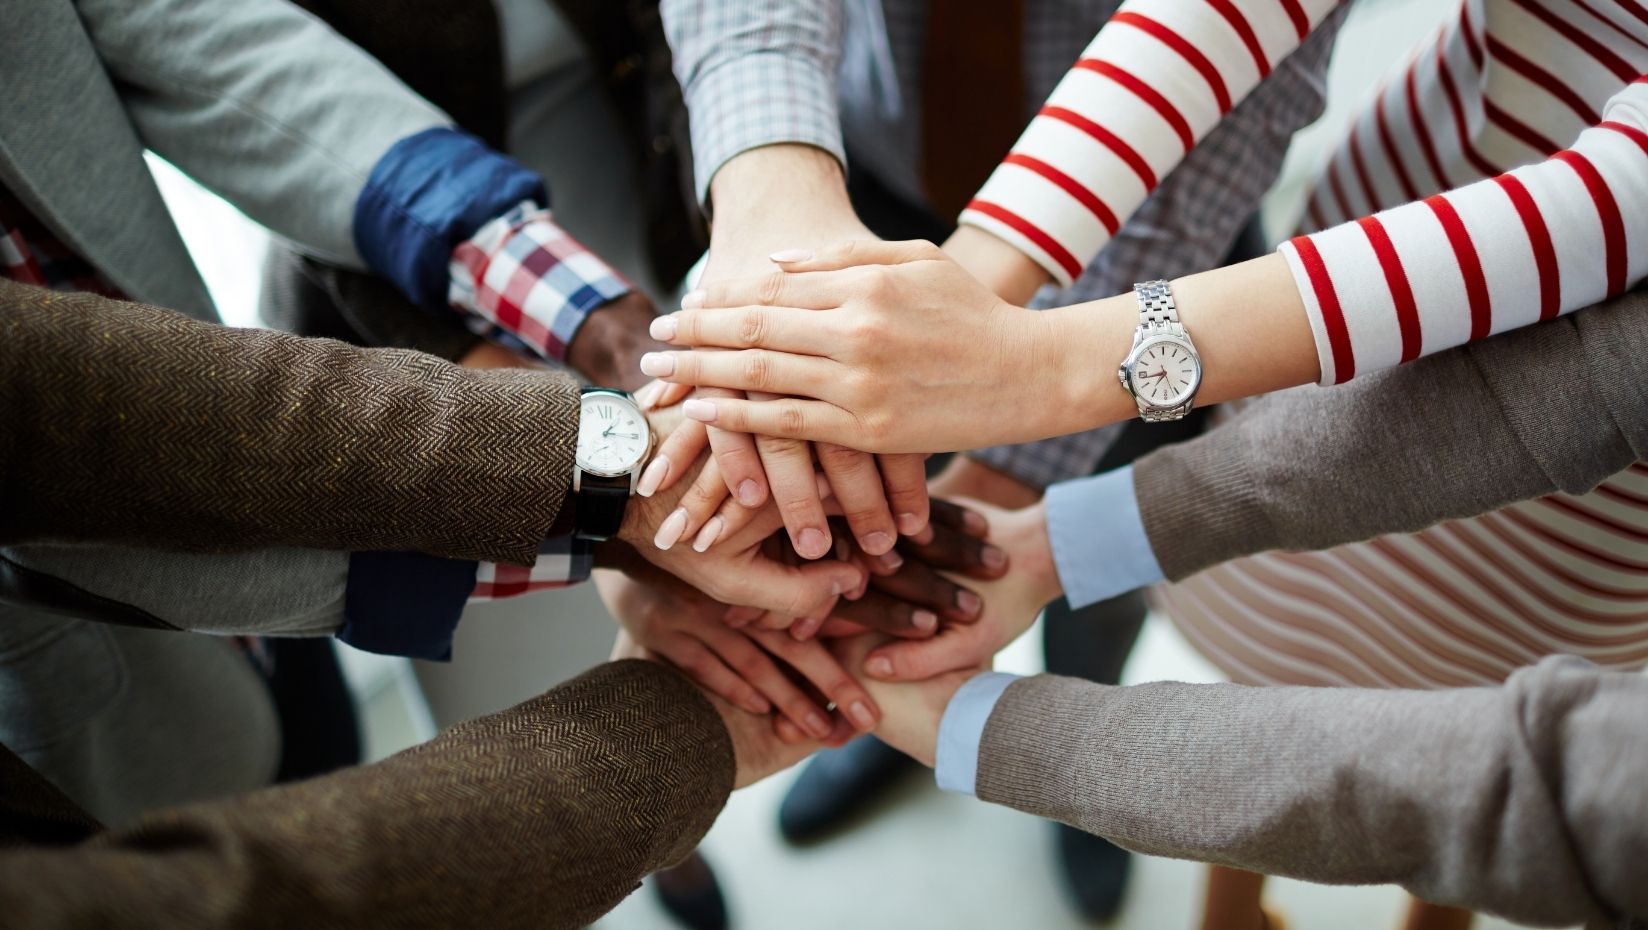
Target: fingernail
[812, 544]
[879, 667]
[708, 535]
[817, 725]
[924, 620]
[890, 562]
[670, 532]
[692, 300]
[969, 602]
[648, 395]
[974, 523]
[658, 364]
[749, 492]
[700, 410]
[654, 476]
[908, 523]
[993, 558]
[757, 705]
[787, 256]
[859, 713]
[663, 328]
[877, 543]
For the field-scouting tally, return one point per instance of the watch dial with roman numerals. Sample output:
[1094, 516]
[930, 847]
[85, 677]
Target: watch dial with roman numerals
[612, 435]
[1165, 373]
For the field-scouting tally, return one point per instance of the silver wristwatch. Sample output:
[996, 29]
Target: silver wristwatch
[1163, 371]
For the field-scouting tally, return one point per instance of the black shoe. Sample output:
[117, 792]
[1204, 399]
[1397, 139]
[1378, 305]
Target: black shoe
[838, 783]
[690, 893]
[1094, 871]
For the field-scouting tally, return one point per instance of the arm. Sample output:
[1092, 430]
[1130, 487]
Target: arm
[547, 814]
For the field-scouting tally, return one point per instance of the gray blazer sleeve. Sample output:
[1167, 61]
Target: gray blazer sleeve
[260, 102]
[1527, 800]
[1559, 406]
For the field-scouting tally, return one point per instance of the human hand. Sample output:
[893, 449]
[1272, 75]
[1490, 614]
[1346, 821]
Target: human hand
[758, 749]
[911, 354]
[911, 711]
[608, 345]
[685, 627]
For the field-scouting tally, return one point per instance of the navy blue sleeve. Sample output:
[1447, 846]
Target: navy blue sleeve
[405, 603]
[429, 192]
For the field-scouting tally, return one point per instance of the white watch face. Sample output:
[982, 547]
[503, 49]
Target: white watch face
[1165, 373]
[613, 436]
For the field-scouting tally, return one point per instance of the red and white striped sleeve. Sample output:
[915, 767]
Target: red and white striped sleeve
[1159, 76]
[1528, 245]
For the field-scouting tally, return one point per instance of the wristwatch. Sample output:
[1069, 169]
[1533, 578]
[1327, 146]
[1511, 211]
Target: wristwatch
[1163, 371]
[614, 442]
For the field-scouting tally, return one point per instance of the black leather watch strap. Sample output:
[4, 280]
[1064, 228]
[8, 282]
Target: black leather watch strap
[599, 507]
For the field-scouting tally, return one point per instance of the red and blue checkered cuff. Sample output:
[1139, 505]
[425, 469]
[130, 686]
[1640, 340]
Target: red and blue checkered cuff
[526, 276]
[562, 562]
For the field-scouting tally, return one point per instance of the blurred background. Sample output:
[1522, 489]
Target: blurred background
[925, 859]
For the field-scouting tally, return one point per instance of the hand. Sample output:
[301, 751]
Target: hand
[911, 711]
[1011, 274]
[911, 354]
[758, 750]
[741, 667]
[608, 346]
[1011, 604]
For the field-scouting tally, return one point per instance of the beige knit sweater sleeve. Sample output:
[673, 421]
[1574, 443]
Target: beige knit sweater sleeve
[1528, 800]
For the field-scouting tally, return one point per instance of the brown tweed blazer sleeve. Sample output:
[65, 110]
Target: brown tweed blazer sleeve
[124, 423]
[543, 816]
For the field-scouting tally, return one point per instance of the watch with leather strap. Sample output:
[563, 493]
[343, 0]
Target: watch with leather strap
[614, 443]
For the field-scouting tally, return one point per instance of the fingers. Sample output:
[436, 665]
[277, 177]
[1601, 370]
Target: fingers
[955, 648]
[918, 584]
[857, 486]
[905, 477]
[856, 252]
[748, 370]
[956, 516]
[777, 289]
[783, 328]
[784, 419]
[656, 395]
[789, 466]
[740, 466]
[785, 590]
[763, 674]
[674, 458]
[704, 667]
[817, 665]
[879, 611]
[950, 547]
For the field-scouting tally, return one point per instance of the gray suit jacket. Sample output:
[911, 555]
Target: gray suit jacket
[255, 99]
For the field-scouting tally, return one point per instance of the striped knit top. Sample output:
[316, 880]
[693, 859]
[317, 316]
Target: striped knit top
[1515, 228]
[1450, 211]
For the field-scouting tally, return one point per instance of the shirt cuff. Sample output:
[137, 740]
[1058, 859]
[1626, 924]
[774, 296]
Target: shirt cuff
[760, 99]
[1100, 546]
[429, 192]
[405, 603]
[562, 562]
[962, 730]
[524, 276]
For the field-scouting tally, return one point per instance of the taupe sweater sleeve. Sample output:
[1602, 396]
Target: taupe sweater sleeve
[1555, 407]
[1526, 800]
[543, 816]
[127, 424]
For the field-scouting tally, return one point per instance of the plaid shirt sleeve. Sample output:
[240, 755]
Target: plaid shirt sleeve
[755, 73]
[528, 284]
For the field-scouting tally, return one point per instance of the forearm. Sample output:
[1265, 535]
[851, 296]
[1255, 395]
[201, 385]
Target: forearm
[1492, 798]
[808, 181]
[500, 822]
[967, 478]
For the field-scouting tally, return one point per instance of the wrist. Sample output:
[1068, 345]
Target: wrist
[1088, 343]
[1011, 274]
[1033, 554]
[608, 345]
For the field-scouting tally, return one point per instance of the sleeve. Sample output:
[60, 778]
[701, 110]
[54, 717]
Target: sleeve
[955, 765]
[544, 815]
[1100, 546]
[1526, 246]
[756, 73]
[1156, 80]
[1559, 406]
[263, 104]
[1521, 800]
[126, 424]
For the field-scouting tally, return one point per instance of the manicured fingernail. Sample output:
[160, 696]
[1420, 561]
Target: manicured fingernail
[817, 725]
[787, 256]
[969, 602]
[670, 532]
[658, 364]
[648, 395]
[700, 410]
[812, 544]
[879, 667]
[859, 713]
[924, 620]
[974, 523]
[757, 704]
[692, 300]
[663, 328]
[749, 493]
[654, 476]
[876, 543]
[908, 523]
[708, 535]
[993, 558]
[890, 562]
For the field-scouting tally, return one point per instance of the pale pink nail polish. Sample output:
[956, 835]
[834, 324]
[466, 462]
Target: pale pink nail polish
[672, 529]
[663, 328]
[859, 713]
[890, 562]
[701, 410]
[790, 256]
[654, 476]
[708, 535]
[692, 300]
[658, 364]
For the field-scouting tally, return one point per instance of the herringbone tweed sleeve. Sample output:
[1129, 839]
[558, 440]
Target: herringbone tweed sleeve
[542, 816]
[123, 423]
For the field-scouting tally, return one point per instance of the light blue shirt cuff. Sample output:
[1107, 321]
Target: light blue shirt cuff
[962, 730]
[1099, 544]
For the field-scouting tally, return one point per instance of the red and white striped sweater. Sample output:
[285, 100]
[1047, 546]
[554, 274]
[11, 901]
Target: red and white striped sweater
[1517, 229]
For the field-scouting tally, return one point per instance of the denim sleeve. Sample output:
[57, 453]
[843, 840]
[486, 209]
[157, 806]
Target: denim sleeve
[1100, 546]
